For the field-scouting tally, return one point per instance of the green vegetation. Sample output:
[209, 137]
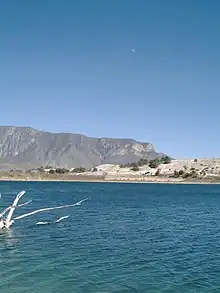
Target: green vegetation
[142, 162]
[61, 170]
[157, 172]
[184, 175]
[188, 173]
[165, 160]
[48, 167]
[154, 163]
[128, 165]
[135, 169]
[79, 170]
[176, 174]
[40, 169]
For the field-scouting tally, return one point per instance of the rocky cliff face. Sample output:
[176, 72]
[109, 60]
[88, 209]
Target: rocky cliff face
[25, 147]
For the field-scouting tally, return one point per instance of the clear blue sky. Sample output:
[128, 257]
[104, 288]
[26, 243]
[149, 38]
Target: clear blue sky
[68, 66]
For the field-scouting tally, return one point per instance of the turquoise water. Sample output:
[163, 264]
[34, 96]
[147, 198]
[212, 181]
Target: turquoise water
[126, 238]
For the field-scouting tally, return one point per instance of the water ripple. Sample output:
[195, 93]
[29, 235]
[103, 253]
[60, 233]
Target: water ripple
[127, 238]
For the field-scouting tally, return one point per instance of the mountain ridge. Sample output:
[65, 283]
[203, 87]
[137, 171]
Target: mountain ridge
[27, 147]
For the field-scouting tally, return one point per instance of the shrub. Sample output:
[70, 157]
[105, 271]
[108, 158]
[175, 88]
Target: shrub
[175, 174]
[181, 172]
[41, 169]
[135, 168]
[142, 162]
[48, 167]
[186, 175]
[193, 174]
[165, 160]
[128, 165]
[157, 173]
[203, 173]
[154, 163]
[105, 174]
[61, 170]
[79, 170]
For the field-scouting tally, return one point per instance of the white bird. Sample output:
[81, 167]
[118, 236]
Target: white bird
[133, 51]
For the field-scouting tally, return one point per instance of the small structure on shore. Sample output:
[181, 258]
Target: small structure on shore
[6, 222]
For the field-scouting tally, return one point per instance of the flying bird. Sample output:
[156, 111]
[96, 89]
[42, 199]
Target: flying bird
[133, 51]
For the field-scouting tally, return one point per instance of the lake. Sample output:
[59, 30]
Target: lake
[126, 238]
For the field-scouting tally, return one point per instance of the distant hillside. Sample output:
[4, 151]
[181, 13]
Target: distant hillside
[25, 147]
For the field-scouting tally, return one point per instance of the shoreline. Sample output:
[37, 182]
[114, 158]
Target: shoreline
[96, 180]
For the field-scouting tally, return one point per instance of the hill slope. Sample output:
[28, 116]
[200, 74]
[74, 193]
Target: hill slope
[25, 147]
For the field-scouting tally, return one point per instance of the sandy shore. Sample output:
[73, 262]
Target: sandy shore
[207, 171]
[99, 180]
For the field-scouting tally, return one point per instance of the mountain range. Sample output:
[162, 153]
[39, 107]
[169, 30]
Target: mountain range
[26, 147]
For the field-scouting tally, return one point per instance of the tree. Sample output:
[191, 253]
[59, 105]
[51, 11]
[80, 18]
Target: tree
[154, 163]
[165, 160]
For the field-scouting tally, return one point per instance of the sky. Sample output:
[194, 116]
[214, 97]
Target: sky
[148, 70]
